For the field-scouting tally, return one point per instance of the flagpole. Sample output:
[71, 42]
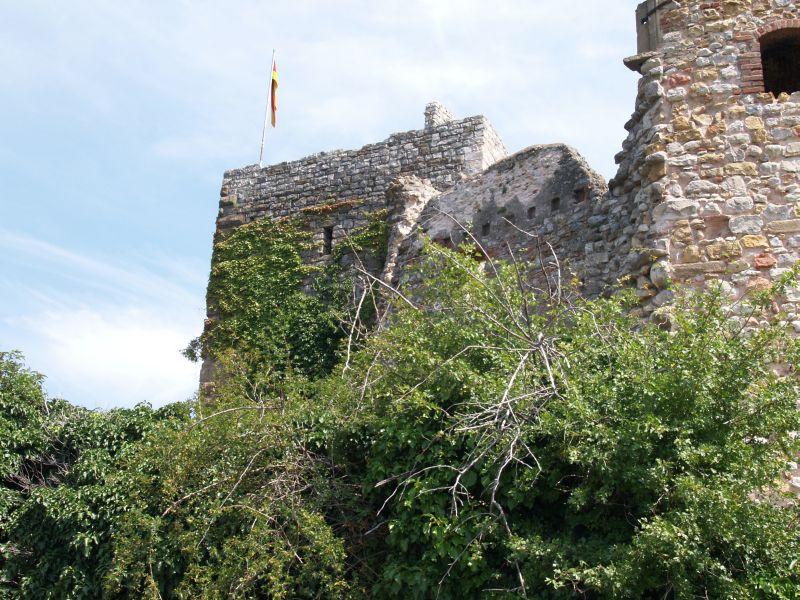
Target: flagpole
[266, 112]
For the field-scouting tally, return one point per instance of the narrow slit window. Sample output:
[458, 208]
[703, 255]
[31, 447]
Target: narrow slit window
[780, 58]
[327, 240]
[485, 229]
[531, 213]
[555, 205]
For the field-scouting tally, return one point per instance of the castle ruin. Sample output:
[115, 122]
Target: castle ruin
[708, 186]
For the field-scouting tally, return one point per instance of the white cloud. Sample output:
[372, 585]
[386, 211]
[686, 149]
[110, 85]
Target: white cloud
[96, 274]
[105, 333]
[112, 356]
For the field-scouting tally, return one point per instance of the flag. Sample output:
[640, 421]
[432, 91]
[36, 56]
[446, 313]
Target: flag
[271, 108]
[273, 92]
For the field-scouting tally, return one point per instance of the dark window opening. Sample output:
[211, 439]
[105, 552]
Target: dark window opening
[780, 57]
[582, 194]
[485, 229]
[511, 219]
[532, 212]
[555, 205]
[445, 242]
[327, 240]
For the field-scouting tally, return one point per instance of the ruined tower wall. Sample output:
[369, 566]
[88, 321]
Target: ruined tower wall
[710, 173]
[542, 195]
[708, 186]
[334, 193]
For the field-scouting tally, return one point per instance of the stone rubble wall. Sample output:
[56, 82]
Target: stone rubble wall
[341, 189]
[707, 189]
[345, 190]
[543, 194]
[708, 186]
[711, 163]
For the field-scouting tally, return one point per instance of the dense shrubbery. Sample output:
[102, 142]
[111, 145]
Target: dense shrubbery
[57, 508]
[495, 440]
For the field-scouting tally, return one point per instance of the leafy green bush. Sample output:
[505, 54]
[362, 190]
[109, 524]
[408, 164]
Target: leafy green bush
[526, 442]
[256, 291]
[271, 307]
[496, 436]
[57, 510]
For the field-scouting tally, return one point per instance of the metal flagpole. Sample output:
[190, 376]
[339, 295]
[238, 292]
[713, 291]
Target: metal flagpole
[266, 112]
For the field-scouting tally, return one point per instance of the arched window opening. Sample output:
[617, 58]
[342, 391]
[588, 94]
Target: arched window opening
[780, 58]
[485, 229]
[531, 212]
[555, 205]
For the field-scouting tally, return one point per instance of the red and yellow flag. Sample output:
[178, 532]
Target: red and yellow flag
[274, 92]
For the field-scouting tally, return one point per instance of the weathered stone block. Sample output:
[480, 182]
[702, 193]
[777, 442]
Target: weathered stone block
[754, 241]
[791, 166]
[663, 297]
[758, 284]
[723, 250]
[790, 226]
[754, 123]
[691, 254]
[692, 270]
[676, 209]
[701, 187]
[659, 274]
[739, 204]
[765, 261]
[681, 123]
[749, 225]
[777, 212]
[742, 168]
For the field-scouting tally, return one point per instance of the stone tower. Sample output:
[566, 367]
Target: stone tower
[709, 175]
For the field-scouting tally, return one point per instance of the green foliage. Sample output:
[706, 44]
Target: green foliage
[22, 410]
[57, 509]
[272, 308]
[231, 506]
[500, 437]
[564, 449]
[372, 237]
[261, 310]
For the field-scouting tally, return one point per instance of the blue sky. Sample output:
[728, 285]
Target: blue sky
[119, 118]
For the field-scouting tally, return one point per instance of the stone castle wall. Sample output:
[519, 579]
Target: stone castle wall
[542, 195]
[341, 189]
[708, 186]
[710, 172]
[707, 190]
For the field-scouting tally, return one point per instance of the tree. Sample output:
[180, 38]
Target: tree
[57, 510]
[529, 441]
[495, 435]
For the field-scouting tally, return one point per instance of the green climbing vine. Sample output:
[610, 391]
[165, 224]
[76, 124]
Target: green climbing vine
[270, 304]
